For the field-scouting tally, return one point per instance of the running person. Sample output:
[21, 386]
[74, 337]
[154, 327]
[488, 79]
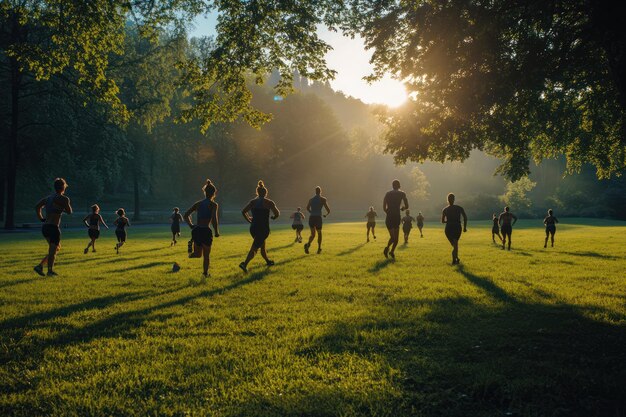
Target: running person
[175, 219]
[391, 206]
[201, 234]
[260, 208]
[495, 230]
[451, 216]
[550, 222]
[315, 218]
[371, 222]
[55, 204]
[121, 223]
[407, 225]
[420, 222]
[506, 221]
[92, 221]
[297, 225]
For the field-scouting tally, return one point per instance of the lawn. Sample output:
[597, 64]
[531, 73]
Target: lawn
[530, 332]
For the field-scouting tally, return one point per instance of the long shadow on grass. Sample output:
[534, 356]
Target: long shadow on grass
[142, 266]
[379, 265]
[351, 250]
[590, 254]
[457, 356]
[15, 282]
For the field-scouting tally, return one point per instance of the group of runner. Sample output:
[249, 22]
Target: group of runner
[258, 212]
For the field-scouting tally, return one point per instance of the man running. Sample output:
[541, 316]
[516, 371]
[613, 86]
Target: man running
[201, 234]
[175, 219]
[260, 208]
[297, 225]
[407, 225]
[506, 221]
[371, 222]
[451, 216]
[92, 221]
[420, 223]
[495, 230]
[56, 204]
[550, 222]
[315, 218]
[391, 206]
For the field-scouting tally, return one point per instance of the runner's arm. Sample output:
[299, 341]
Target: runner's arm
[464, 219]
[245, 211]
[85, 220]
[274, 210]
[68, 206]
[102, 221]
[326, 207]
[406, 203]
[187, 215]
[215, 221]
[443, 216]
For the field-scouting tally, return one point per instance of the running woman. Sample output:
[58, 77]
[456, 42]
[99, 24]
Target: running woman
[495, 230]
[175, 219]
[451, 216]
[201, 234]
[92, 221]
[407, 225]
[121, 223]
[315, 218]
[391, 206]
[260, 208]
[297, 225]
[420, 222]
[371, 222]
[55, 204]
[550, 222]
[506, 221]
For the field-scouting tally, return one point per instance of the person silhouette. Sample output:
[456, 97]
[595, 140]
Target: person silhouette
[175, 219]
[297, 225]
[420, 223]
[371, 222]
[506, 221]
[92, 221]
[550, 222]
[392, 208]
[495, 229]
[451, 216]
[314, 207]
[407, 225]
[121, 223]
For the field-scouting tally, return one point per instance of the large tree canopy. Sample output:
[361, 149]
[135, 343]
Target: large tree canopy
[520, 79]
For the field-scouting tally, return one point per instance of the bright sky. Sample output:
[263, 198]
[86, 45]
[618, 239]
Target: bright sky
[351, 61]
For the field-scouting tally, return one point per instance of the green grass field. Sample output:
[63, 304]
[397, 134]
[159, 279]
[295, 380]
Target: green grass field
[531, 332]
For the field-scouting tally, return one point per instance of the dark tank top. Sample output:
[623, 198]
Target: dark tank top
[121, 223]
[453, 215]
[94, 220]
[50, 207]
[260, 215]
[495, 222]
[205, 211]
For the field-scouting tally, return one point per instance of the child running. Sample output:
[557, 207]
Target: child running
[297, 225]
[121, 223]
[201, 234]
[175, 219]
[260, 208]
[92, 221]
[407, 225]
[420, 223]
[55, 204]
[495, 230]
[371, 222]
[550, 222]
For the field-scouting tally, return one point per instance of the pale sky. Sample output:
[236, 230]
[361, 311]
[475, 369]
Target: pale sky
[351, 61]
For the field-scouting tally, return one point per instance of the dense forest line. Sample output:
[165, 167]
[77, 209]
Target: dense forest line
[317, 136]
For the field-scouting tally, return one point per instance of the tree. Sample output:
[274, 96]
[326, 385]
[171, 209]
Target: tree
[420, 184]
[520, 79]
[516, 196]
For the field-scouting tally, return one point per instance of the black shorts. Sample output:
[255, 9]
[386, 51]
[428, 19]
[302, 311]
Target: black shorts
[52, 233]
[259, 235]
[93, 233]
[297, 227]
[176, 228]
[507, 229]
[550, 229]
[371, 224]
[315, 222]
[495, 230]
[393, 221]
[407, 229]
[202, 236]
[420, 225]
[121, 235]
[453, 232]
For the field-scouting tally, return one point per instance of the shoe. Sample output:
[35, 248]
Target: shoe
[39, 269]
[243, 267]
[319, 250]
[386, 252]
[306, 248]
[206, 275]
[86, 250]
[52, 274]
[190, 246]
[545, 246]
[93, 251]
[374, 237]
[458, 261]
[270, 263]
[368, 240]
[393, 256]
[117, 249]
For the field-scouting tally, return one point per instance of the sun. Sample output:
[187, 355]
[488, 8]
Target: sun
[387, 91]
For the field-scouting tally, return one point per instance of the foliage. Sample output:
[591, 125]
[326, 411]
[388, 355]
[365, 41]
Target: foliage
[516, 196]
[521, 80]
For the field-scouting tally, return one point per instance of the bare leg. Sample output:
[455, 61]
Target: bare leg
[251, 254]
[312, 235]
[455, 251]
[552, 237]
[368, 233]
[545, 243]
[319, 240]
[197, 251]
[509, 241]
[395, 234]
[264, 253]
[206, 251]
[52, 252]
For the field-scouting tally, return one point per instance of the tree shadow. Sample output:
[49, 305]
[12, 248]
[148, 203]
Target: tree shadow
[351, 250]
[456, 356]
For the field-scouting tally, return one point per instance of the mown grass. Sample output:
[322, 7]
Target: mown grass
[531, 332]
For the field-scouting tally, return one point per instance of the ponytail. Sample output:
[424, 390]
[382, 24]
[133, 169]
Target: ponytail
[261, 191]
[209, 189]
